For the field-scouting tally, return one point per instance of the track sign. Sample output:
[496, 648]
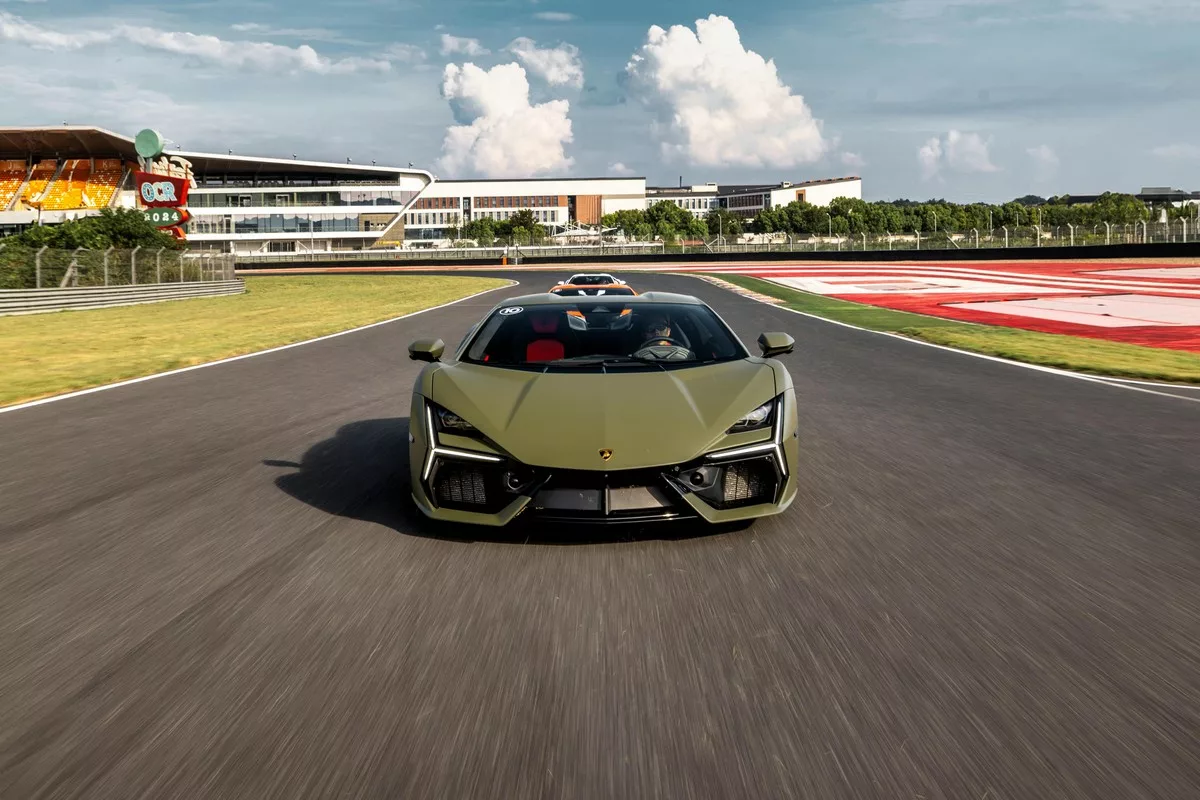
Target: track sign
[166, 217]
[160, 191]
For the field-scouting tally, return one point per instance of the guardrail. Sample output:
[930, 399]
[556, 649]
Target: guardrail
[34, 301]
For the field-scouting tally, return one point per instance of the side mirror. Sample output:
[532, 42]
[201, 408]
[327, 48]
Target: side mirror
[426, 350]
[775, 344]
[561, 283]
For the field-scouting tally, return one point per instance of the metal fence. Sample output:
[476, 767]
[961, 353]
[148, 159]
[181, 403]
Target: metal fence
[47, 268]
[1181, 230]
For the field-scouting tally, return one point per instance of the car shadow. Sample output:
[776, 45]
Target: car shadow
[362, 473]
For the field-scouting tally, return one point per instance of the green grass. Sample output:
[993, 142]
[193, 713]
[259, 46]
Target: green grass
[48, 354]
[1094, 356]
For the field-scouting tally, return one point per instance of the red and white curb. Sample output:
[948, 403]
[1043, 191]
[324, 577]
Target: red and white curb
[738, 290]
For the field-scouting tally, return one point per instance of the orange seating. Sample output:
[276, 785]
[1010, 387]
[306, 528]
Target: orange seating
[12, 175]
[67, 192]
[42, 173]
[103, 182]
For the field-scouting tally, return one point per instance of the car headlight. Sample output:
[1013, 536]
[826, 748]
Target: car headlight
[755, 420]
[450, 422]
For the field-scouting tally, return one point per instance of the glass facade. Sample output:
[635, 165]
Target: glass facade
[283, 198]
[283, 223]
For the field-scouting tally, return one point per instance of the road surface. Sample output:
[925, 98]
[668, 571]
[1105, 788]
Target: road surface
[987, 588]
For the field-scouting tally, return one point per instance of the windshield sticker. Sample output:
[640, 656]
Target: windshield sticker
[511, 310]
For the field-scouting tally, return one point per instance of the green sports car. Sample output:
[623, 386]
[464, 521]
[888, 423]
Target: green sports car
[598, 409]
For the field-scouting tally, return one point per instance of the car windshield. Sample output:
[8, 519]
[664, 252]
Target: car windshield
[590, 280]
[603, 335]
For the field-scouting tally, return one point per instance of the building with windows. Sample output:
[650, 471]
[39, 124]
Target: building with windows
[556, 203]
[237, 204]
[246, 204]
[747, 200]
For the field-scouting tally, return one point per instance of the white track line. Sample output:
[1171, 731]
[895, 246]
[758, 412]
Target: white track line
[144, 378]
[1036, 367]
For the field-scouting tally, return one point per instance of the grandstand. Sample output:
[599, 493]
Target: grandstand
[39, 181]
[69, 171]
[12, 178]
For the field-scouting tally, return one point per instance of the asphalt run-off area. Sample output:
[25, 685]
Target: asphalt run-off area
[214, 585]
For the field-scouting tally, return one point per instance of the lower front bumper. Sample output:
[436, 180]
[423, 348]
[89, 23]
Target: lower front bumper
[604, 499]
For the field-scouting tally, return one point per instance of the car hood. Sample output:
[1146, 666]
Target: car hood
[563, 419]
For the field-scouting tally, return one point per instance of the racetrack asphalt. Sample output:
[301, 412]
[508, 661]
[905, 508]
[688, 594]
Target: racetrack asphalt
[211, 586]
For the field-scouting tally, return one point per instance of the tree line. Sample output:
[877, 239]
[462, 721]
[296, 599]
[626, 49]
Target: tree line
[847, 216]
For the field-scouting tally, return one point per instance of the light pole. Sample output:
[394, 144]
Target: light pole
[830, 224]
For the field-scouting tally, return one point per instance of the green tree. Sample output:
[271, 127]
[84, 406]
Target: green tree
[524, 228]
[482, 231]
[121, 228]
[722, 221]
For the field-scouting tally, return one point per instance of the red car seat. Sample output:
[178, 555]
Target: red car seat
[545, 348]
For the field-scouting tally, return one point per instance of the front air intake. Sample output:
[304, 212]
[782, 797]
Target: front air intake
[460, 485]
[742, 483]
[748, 481]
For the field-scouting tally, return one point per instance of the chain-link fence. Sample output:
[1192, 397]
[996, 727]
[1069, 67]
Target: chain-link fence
[47, 268]
[1050, 237]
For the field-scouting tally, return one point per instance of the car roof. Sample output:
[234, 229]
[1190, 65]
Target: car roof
[648, 298]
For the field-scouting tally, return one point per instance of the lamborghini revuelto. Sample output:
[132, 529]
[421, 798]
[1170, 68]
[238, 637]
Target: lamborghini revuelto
[602, 409]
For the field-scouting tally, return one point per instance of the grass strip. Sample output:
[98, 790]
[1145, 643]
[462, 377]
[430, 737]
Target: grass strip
[1078, 353]
[48, 354]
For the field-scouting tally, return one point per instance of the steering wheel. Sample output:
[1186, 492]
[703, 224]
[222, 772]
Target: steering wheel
[657, 342]
[672, 351]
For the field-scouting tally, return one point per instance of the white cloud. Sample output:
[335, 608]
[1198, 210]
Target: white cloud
[719, 104]
[404, 53]
[1177, 151]
[930, 157]
[236, 54]
[459, 44]
[619, 170]
[1045, 160]
[557, 66]
[1043, 155]
[959, 152]
[314, 34]
[500, 133]
[934, 9]
[852, 160]
[555, 16]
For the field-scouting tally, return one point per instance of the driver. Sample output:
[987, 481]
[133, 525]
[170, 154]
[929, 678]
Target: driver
[656, 331]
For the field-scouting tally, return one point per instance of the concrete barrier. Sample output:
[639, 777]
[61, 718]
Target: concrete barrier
[34, 301]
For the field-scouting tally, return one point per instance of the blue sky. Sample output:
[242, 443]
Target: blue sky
[963, 99]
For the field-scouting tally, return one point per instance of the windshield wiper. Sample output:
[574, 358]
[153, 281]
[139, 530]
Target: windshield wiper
[600, 361]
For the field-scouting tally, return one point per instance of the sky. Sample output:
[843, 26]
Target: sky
[968, 100]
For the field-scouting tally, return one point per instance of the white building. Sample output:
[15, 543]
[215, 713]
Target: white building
[557, 203]
[748, 200]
